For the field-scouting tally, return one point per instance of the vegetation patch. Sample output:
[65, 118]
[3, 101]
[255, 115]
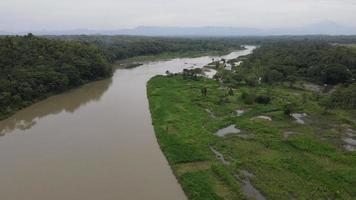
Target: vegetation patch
[287, 159]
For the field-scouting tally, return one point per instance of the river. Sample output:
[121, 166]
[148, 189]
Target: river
[95, 142]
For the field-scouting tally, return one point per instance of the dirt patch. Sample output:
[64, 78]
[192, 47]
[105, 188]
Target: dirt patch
[210, 73]
[350, 133]
[349, 144]
[312, 87]
[299, 117]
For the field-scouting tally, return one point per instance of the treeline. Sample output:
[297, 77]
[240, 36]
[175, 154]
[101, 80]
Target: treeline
[122, 47]
[317, 62]
[32, 68]
[321, 63]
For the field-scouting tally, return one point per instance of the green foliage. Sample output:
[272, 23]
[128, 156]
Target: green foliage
[263, 99]
[273, 76]
[289, 108]
[251, 80]
[314, 61]
[198, 186]
[248, 97]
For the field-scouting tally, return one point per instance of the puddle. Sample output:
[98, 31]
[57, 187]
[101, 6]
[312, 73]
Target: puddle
[263, 118]
[239, 113]
[248, 189]
[299, 117]
[212, 115]
[350, 144]
[228, 130]
[219, 156]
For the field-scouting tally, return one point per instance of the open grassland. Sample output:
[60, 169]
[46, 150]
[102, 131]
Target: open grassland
[280, 158]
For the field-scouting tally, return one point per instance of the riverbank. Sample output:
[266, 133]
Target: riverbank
[138, 60]
[126, 64]
[265, 154]
[4, 116]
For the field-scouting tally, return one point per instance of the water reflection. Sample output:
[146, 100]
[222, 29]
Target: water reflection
[66, 102]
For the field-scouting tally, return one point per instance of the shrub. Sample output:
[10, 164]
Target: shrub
[262, 99]
[288, 108]
[248, 98]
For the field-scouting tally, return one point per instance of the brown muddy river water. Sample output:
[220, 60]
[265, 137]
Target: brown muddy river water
[95, 142]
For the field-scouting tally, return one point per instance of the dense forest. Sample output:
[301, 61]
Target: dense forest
[317, 62]
[122, 47]
[32, 68]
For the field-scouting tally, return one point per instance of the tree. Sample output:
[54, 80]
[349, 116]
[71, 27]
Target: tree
[274, 76]
[251, 80]
[333, 74]
[289, 108]
[263, 99]
[204, 91]
[292, 79]
[231, 92]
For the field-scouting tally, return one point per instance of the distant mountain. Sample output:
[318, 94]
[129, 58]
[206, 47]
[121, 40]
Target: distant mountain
[4, 33]
[324, 28]
[190, 31]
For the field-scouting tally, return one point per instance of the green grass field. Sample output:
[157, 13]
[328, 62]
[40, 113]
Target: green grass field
[288, 160]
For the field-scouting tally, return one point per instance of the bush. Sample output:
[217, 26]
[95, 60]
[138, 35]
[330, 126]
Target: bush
[289, 108]
[262, 99]
[248, 98]
[251, 80]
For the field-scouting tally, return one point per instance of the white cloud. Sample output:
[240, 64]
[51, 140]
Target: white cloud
[25, 15]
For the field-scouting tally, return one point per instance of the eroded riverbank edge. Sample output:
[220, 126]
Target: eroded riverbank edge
[274, 151]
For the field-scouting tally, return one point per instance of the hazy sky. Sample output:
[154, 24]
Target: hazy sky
[26, 15]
